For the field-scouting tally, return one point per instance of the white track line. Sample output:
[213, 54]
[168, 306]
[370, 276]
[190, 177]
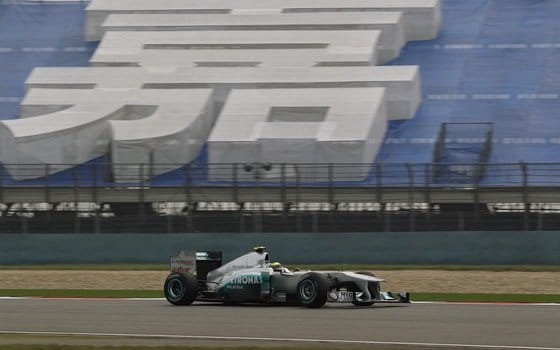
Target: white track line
[302, 340]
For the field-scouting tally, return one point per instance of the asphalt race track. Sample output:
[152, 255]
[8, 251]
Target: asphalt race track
[491, 325]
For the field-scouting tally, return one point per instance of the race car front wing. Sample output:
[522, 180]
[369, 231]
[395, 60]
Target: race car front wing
[394, 297]
[383, 297]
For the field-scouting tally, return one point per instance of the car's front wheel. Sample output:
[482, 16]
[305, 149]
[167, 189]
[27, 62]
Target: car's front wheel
[180, 288]
[312, 290]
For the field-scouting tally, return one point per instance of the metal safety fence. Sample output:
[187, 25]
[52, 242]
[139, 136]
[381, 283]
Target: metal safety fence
[260, 197]
[248, 174]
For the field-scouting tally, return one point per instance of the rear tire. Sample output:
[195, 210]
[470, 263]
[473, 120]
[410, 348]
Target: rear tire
[312, 290]
[370, 288]
[180, 288]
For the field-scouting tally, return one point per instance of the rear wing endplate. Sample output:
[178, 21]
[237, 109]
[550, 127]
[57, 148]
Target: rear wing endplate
[197, 263]
[185, 261]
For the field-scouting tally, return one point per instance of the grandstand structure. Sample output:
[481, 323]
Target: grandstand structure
[276, 115]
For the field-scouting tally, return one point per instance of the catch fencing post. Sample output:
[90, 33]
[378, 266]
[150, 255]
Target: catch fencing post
[378, 184]
[2, 184]
[141, 192]
[283, 199]
[298, 214]
[378, 194]
[76, 201]
[47, 189]
[186, 184]
[410, 197]
[235, 194]
[169, 223]
[387, 222]
[94, 183]
[257, 219]
[315, 221]
[476, 194]
[241, 218]
[94, 197]
[24, 224]
[540, 221]
[428, 191]
[234, 189]
[526, 204]
[188, 197]
[331, 183]
[331, 198]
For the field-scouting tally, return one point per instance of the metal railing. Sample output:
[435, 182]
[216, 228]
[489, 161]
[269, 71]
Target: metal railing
[259, 197]
[275, 175]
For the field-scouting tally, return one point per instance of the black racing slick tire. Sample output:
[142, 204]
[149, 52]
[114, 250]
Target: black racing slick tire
[312, 290]
[371, 290]
[180, 288]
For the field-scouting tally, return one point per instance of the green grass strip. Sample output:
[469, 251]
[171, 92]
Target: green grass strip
[487, 297]
[372, 267]
[86, 267]
[460, 297]
[81, 293]
[351, 267]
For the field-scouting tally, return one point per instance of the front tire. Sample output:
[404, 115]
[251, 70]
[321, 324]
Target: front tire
[180, 288]
[312, 290]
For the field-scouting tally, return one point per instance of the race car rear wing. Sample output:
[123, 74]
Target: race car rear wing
[199, 263]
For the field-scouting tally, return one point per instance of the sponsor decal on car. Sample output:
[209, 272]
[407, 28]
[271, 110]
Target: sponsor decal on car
[244, 281]
[247, 279]
[344, 296]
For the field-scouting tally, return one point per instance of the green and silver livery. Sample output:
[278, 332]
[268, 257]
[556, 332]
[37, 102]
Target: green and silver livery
[252, 278]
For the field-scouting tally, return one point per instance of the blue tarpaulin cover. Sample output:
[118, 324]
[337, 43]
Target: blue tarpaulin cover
[494, 60]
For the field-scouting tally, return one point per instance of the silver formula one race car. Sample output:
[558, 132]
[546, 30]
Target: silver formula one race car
[252, 278]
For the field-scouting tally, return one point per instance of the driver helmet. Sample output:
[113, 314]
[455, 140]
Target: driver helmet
[276, 266]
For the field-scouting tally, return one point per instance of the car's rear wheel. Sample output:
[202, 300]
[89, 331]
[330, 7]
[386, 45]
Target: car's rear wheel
[371, 288]
[312, 290]
[180, 288]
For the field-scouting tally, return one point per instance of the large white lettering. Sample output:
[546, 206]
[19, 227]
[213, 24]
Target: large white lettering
[138, 126]
[299, 126]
